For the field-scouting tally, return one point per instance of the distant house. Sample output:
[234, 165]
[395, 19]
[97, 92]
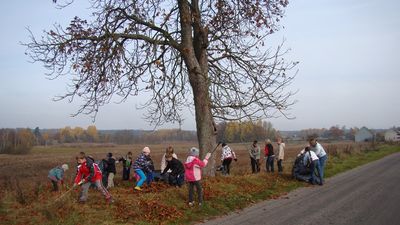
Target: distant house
[363, 135]
[392, 135]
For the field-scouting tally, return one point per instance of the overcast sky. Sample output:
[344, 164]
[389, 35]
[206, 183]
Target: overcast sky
[348, 72]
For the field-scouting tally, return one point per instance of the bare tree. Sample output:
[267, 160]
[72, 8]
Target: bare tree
[207, 55]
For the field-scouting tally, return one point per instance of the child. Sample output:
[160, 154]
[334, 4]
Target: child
[281, 154]
[269, 156]
[193, 167]
[177, 174]
[126, 164]
[312, 162]
[141, 167]
[103, 169]
[89, 173]
[149, 174]
[168, 151]
[226, 158]
[254, 153]
[110, 170]
[57, 175]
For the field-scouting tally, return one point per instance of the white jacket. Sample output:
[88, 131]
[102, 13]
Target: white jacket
[227, 153]
[281, 151]
[319, 150]
[308, 155]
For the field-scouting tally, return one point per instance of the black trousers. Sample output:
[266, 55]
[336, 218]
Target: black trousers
[126, 173]
[199, 190]
[255, 165]
[55, 185]
[226, 165]
[280, 168]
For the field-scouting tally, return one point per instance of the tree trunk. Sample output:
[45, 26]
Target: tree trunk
[204, 124]
[194, 53]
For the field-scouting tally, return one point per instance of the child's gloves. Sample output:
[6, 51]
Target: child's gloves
[81, 182]
[208, 155]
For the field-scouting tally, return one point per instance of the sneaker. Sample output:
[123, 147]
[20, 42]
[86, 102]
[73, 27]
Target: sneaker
[138, 188]
[191, 204]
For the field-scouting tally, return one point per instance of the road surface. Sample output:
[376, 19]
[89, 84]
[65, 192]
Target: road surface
[369, 194]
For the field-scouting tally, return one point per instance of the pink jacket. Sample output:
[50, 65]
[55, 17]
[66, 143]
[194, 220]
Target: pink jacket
[193, 167]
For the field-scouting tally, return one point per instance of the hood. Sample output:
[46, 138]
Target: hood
[189, 164]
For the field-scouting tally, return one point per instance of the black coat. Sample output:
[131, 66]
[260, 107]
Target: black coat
[175, 166]
[270, 149]
[111, 165]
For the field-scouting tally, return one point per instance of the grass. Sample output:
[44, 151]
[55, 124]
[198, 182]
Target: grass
[161, 204]
[346, 162]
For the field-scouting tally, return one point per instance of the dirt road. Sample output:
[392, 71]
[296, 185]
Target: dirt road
[366, 195]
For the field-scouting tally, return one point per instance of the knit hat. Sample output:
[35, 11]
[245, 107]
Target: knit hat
[194, 151]
[146, 150]
[65, 167]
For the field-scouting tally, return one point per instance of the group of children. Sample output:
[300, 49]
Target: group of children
[173, 171]
[309, 165]
[269, 155]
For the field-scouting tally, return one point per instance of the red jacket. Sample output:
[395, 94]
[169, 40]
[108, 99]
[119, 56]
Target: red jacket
[88, 172]
[266, 150]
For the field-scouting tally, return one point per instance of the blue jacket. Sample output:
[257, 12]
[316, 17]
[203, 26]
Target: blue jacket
[56, 174]
[141, 163]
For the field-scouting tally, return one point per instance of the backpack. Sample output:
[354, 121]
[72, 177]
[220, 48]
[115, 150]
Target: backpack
[103, 166]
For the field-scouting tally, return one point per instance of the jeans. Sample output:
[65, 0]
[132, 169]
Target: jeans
[315, 165]
[270, 163]
[150, 178]
[322, 161]
[199, 191]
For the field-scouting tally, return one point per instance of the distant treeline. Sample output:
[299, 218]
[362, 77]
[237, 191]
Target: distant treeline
[16, 141]
[20, 141]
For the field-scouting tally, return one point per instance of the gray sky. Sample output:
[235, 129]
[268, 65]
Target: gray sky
[348, 72]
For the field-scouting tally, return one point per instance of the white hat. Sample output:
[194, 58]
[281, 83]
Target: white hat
[146, 150]
[65, 167]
